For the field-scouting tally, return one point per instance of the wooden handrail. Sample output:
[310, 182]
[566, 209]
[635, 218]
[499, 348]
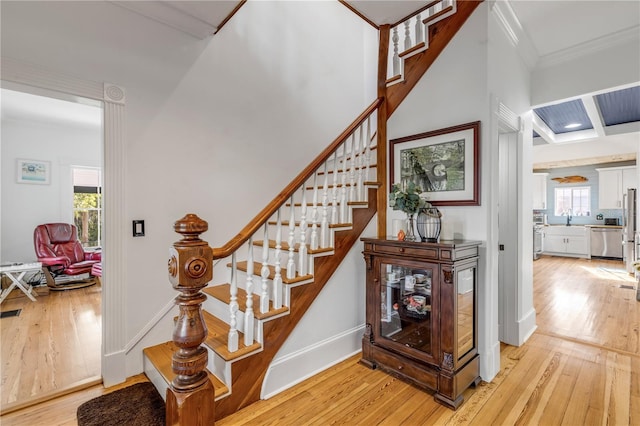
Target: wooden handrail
[254, 225]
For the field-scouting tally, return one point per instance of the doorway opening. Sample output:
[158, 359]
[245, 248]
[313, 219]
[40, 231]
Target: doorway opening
[54, 345]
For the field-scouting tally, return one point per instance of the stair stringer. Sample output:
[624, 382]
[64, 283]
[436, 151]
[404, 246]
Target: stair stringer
[247, 375]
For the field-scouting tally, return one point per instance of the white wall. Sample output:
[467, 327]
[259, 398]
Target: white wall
[455, 91]
[600, 69]
[25, 206]
[214, 127]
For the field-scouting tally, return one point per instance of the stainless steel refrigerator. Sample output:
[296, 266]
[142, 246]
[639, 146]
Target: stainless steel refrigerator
[629, 218]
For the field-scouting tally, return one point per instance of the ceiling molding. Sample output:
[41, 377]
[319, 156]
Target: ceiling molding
[516, 35]
[165, 13]
[592, 46]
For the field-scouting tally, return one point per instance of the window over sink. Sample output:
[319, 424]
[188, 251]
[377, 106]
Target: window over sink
[573, 201]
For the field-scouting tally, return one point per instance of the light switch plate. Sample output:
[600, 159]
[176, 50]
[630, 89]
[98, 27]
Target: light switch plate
[138, 228]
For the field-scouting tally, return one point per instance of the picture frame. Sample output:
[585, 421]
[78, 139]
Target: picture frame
[444, 163]
[33, 171]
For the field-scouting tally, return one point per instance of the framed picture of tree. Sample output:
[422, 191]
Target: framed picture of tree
[444, 163]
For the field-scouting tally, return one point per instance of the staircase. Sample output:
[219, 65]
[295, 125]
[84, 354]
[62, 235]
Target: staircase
[259, 285]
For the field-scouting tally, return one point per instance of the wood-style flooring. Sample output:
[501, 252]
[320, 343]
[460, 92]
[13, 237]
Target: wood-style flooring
[580, 367]
[53, 346]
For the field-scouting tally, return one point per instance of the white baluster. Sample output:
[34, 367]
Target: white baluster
[277, 279]
[367, 151]
[233, 307]
[291, 263]
[396, 57]
[419, 29]
[359, 164]
[302, 249]
[352, 175]
[334, 191]
[248, 312]
[264, 272]
[314, 214]
[324, 225]
[407, 35]
[343, 186]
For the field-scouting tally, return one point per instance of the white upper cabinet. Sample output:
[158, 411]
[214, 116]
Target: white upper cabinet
[629, 179]
[540, 191]
[613, 182]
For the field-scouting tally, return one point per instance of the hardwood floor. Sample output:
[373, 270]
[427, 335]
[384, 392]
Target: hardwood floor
[53, 346]
[581, 366]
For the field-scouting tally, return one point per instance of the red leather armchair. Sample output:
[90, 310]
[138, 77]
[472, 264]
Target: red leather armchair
[60, 252]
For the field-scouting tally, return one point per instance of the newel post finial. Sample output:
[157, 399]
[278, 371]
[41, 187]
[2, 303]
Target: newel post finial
[191, 395]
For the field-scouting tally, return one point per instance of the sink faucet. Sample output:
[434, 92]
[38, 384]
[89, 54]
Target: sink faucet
[569, 217]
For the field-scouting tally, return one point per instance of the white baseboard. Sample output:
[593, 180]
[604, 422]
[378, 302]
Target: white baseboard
[490, 362]
[526, 326]
[291, 369]
[113, 368]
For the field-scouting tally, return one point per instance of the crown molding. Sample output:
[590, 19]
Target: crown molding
[506, 17]
[167, 14]
[589, 47]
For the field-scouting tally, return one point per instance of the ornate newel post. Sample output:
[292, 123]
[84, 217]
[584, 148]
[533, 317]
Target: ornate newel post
[190, 396]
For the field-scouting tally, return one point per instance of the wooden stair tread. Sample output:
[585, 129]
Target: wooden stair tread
[284, 246]
[330, 185]
[349, 203]
[242, 266]
[285, 224]
[222, 293]
[217, 339]
[418, 46]
[394, 78]
[371, 166]
[437, 15]
[161, 357]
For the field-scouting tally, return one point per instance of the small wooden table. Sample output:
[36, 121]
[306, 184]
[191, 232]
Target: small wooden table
[16, 273]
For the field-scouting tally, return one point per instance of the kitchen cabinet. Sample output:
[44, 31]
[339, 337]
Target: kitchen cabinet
[569, 241]
[629, 178]
[613, 183]
[540, 191]
[421, 314]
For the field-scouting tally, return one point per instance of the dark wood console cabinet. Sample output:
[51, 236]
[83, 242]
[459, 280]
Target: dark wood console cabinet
[421, 319]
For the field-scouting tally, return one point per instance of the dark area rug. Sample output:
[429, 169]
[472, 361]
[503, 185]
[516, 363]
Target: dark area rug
[139, 405]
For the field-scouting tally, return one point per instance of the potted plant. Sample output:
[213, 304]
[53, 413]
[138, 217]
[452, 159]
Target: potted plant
[409, 201]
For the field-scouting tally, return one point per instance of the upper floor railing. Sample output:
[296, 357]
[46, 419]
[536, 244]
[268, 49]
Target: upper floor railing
[411, 35]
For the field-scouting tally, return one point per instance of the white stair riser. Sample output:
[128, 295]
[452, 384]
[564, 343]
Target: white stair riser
[219, 367]
[155, 377]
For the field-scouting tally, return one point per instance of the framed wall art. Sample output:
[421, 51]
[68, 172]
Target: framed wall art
[33, 171]
[444, 163]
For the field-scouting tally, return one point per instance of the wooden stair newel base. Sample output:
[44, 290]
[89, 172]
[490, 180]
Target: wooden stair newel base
[193, 408]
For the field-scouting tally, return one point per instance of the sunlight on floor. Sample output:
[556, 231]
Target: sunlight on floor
[613, 274]
[569, 301]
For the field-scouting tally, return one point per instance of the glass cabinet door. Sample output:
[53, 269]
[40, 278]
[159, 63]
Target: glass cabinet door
[405, 306]
[466, 279]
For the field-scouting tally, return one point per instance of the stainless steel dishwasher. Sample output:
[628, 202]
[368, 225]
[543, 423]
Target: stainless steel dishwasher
[606, 242]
